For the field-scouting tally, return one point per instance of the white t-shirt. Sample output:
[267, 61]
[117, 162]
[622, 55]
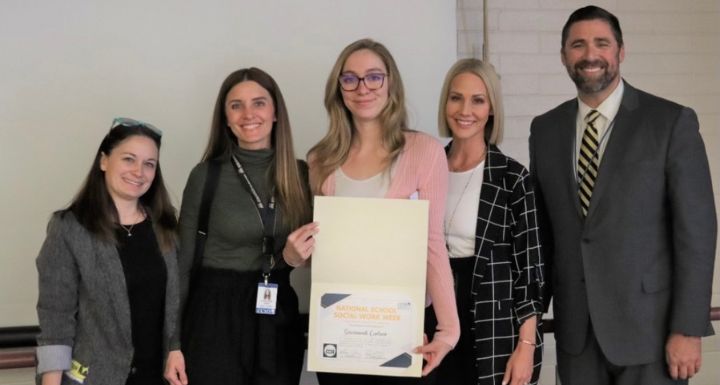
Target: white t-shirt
[461, 211]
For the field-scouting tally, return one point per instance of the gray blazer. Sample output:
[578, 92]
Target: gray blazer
[640, 265]
[83, 306]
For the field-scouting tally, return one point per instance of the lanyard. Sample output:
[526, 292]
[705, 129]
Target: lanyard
[267, 219]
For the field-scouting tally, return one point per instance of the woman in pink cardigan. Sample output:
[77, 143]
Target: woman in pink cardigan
[370, 152]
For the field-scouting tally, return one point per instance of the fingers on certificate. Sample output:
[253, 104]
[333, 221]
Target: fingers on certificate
[300, 244]
[433, 353]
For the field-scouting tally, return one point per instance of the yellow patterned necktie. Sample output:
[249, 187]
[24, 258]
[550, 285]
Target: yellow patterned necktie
[588, 161]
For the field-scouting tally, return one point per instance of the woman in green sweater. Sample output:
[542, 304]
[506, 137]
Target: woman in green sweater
[232, 335]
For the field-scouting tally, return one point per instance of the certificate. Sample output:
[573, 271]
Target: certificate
[367, 298]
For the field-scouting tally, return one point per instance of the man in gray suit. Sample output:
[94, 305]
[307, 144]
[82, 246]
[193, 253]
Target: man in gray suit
[626, 204]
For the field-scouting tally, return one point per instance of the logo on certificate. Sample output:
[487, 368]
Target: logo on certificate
[329, 350]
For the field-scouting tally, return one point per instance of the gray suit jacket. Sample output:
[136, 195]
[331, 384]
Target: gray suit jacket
[640, 265]
[83, 306]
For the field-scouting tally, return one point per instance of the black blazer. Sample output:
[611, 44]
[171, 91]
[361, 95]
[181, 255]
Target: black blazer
[640, 265]
[508, 275]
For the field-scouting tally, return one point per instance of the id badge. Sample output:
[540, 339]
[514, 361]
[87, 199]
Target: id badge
[266, 298]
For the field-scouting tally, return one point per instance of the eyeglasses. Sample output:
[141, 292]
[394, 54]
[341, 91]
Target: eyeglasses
[128, 122]
[350, 82]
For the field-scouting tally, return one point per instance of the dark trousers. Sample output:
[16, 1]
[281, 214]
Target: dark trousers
[458, 367]
[155, 378]
[591, 367]
[226, 343]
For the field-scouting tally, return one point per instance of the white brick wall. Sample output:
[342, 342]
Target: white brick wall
[672, 50]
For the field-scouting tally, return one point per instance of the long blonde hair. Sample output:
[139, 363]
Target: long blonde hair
[332, 151]
[293, 197]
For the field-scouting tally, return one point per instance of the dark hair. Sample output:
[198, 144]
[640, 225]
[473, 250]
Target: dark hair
[94, 208]
[592, 12]
[292, 195]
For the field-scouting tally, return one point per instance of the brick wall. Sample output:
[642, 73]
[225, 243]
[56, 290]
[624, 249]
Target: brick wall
[672, 49]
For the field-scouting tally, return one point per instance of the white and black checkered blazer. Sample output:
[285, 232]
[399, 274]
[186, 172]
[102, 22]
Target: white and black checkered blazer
[508, 276]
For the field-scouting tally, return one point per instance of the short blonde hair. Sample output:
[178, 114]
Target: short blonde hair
[486, 72]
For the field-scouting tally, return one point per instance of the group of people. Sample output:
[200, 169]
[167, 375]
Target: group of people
[615, 221]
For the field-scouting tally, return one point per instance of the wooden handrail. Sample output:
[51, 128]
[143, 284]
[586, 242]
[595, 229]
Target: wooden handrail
[17, 358]
[24, 357]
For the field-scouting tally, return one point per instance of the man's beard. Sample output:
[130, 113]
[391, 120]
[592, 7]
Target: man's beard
[591, 85]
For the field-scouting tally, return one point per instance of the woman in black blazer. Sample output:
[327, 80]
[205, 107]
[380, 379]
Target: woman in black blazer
[492, 238]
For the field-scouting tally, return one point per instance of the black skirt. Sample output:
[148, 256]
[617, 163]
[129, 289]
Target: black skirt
[226, 342]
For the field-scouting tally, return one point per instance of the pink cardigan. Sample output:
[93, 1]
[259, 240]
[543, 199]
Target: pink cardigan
[422, 167]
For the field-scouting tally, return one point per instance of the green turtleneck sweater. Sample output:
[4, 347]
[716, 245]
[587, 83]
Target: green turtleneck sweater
[235, 229]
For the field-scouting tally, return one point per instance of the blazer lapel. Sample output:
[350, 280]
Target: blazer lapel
[486, 234]
[617, 146]
[565, 154]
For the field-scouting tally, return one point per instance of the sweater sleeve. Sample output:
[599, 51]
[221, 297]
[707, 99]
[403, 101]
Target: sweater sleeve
[433, 187]
[57, 304]
[172, 303]
[188, 228]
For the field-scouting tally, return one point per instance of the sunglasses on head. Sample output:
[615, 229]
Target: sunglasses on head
[128, 122]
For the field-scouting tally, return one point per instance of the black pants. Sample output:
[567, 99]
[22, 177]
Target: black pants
[226, 343]
[591, 367]
[458, 367]
[153, 378]
[359, 379]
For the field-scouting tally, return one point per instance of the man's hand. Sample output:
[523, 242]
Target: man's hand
[683, 355]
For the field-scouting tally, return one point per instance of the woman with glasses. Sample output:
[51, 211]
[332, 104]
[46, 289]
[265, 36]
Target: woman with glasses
[241, 323]
[492, 237]
[108, 290]
[369, 151]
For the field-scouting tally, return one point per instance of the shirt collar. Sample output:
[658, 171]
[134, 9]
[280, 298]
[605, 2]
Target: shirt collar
[608, 108]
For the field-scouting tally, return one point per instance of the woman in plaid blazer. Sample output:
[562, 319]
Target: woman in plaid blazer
[492, 238]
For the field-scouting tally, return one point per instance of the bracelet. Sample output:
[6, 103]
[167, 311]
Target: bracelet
[526, 342]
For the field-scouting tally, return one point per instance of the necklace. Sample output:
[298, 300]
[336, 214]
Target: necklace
[128, 229]
[449, 223]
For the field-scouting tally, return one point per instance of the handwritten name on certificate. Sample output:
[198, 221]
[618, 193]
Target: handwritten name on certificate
[367, 296]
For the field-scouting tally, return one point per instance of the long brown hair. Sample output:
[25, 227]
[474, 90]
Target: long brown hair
[94, 208]
[332, 151]
[293, 197]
